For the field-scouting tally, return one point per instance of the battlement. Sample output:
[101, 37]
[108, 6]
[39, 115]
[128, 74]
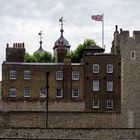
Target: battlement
[122, 38]
[126, 33]
[15, 53]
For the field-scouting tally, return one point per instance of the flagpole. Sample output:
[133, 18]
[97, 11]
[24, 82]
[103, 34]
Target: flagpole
[103, 31]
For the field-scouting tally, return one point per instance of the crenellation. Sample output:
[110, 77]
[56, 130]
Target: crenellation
[136, 35]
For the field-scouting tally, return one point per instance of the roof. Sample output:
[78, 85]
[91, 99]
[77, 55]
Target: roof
[94, 48]
[24, 63]
[40, 50]
[61, 41]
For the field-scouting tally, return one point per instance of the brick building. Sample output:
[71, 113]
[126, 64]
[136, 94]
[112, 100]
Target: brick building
[94, 83]
[100, 92]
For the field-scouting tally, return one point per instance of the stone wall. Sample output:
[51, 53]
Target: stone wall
[80, 134]
[60, 120]
[30, 106]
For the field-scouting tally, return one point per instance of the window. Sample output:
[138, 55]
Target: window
[133, 55]
[75, 75]
[13, 92]
[109, 85]
[75, 92]
[109, 103]
[59, 75]
[59, 93]
[26, 92]
[109, 68]
[95, 68]
[43, 92]
[95, 85]
[95, 103]
[12, 74]
[27, 75]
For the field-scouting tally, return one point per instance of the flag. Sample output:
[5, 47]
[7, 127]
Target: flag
[97, 17]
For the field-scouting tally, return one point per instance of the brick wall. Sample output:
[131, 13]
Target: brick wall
[103, 77]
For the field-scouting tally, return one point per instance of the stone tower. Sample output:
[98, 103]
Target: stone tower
[129, 48]
[61, 46]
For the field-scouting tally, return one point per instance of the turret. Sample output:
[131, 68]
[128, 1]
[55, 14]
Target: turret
[40, 50]
[61, 46]
[115, 44]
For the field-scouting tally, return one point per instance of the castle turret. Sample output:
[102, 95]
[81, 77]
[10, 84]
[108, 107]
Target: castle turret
[115, 43]
[61, 46]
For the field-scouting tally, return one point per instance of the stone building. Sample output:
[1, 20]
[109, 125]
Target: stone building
[101, 92]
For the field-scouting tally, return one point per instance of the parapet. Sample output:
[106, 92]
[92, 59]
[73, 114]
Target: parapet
[15, 53]
[124, 33]
[136, 35]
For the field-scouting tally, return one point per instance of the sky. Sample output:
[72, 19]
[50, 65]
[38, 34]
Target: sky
[22, 20]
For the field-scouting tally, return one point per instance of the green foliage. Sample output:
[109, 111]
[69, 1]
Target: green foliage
[39, 57]
[77, 55]
[46, 57]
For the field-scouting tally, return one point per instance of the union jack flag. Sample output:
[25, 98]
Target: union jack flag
[97, 17]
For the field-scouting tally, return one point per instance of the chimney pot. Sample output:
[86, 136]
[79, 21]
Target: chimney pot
[7, 45]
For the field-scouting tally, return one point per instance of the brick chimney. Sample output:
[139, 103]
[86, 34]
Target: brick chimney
[15, 53]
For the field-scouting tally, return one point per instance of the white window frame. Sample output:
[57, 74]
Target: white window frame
[27, 75]
[96, 85]
[109, 68]
[59, 75]
[74, 92]
[109, 103]
[12, 74]
[75, 75]
[133, 55]
[96, 103]
[110, 85]
[96, 68]
[27, 92]
[61, 93]
[12, 92]
[43, 92]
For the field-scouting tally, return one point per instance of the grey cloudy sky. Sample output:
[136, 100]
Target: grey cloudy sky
[21, 20]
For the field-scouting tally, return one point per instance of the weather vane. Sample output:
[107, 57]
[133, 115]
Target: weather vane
[61, 20]
[40, 34]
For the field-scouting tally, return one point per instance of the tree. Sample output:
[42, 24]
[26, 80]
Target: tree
[77, 54]
[39, 57]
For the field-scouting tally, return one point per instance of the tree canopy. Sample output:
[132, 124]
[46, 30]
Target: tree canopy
[39, 57]
[76, 55]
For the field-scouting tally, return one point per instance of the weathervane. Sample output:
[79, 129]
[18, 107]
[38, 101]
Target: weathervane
[61, 20]
[40, 34]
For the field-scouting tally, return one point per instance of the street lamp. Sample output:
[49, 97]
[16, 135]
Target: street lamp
[47, 95]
